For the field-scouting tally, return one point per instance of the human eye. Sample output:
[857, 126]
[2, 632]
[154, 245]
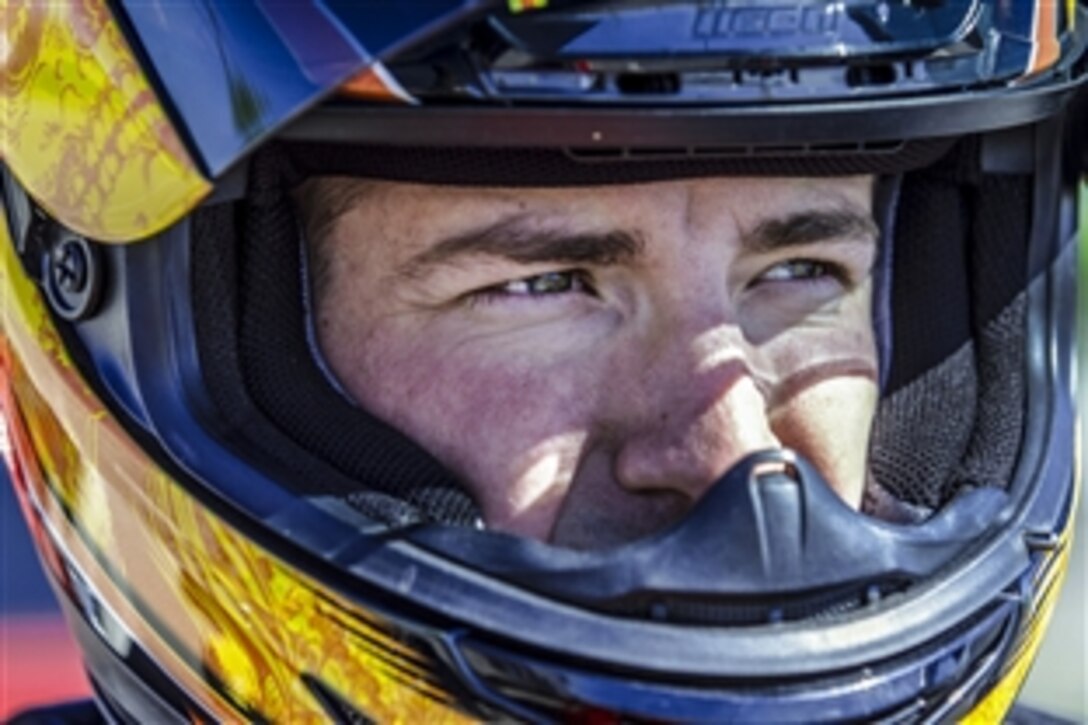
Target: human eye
[802, 270]
[548, 284]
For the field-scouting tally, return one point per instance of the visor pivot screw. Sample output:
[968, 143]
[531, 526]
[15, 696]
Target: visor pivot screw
[70, 269]
[73, 277]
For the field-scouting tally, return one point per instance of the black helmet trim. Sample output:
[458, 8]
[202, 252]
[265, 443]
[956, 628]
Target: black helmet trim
[817, 127]
[558, 167]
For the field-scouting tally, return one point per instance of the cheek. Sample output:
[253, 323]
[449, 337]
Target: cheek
[829, 424]
[822, 398]
[511, 429]
[834, 343]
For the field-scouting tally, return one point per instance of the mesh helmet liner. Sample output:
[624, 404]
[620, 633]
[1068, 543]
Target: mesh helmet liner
[263, 378]
[952, 411]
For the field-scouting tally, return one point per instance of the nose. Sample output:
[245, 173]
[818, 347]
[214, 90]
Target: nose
[707, 413]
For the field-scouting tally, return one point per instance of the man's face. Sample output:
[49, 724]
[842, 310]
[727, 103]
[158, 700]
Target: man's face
[590, 360]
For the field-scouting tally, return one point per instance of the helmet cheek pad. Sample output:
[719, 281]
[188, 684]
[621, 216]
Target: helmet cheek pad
[959, 278]
[247, 261]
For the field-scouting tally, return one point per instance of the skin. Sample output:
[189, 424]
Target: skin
[590, 361]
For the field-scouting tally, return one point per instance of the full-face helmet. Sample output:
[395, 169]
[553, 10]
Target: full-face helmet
[232, 538]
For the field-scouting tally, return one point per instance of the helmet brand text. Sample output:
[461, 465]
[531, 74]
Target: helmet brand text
[720, 21]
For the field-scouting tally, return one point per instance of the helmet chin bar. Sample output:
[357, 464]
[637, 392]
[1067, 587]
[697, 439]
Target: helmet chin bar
[769, 542]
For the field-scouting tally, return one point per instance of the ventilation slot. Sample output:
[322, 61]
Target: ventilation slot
[589, 154]
[722, 150]
[850, 147]
[643, 84]
[860, 76]
[766, 76]
[751, 612]
[658, 152]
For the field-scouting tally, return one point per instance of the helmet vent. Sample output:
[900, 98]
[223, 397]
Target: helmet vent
[661, 84]
[874, 74]
[750, 612]
[591, 154]
[766, 76]
[610, 162]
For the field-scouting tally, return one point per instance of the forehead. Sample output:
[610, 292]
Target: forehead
[392, 225]
[748, 200]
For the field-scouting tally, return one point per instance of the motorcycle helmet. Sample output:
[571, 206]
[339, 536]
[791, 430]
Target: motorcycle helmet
[231, 539]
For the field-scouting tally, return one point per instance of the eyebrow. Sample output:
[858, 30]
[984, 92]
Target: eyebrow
[515, 239]
[810, 227]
